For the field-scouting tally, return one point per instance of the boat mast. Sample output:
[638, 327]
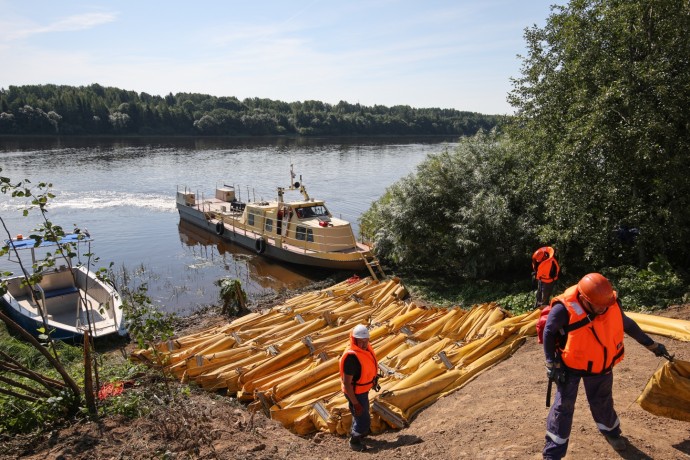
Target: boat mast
[298, 185]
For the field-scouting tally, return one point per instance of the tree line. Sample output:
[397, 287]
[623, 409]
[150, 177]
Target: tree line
[97, 110]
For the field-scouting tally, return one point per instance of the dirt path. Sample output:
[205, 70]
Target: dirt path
[499, 415]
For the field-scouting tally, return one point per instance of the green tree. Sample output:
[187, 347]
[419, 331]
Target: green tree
[602, 123]
[456, 216]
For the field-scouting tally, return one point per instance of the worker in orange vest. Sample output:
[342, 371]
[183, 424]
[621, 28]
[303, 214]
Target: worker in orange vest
[545, 269]
[583, 340]
[358, 375]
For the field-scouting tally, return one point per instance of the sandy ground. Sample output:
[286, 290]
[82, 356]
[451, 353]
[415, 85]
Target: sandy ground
[499, 415]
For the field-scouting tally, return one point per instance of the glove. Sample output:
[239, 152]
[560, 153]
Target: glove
[376, 386]
[659, 350]
[555, 372]
[358, 408]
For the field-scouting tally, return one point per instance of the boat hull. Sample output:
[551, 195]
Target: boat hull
[33, 325]
[65, 319]
[335, 261]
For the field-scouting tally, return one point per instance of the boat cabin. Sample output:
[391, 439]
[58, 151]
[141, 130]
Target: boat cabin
[304, 224]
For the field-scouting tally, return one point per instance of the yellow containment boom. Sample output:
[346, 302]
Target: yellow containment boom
[284, 360]
[667, 393]
[677, 329]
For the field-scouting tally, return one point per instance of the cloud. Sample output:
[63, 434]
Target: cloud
[84, 21]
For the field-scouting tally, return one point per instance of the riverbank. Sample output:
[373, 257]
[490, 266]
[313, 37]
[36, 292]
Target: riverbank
[500, 414]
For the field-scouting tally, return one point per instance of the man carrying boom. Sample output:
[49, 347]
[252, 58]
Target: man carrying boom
[583, 340]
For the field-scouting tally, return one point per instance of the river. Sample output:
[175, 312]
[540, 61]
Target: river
[123, 192]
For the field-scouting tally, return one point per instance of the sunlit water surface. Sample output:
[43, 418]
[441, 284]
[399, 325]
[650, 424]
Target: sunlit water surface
[123, 192]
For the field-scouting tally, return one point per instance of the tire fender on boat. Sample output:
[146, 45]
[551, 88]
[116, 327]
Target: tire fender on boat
[260, 245]
[220, 228]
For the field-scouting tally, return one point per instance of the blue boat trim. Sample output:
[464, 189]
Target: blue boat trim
[59, 292]
[28, 243]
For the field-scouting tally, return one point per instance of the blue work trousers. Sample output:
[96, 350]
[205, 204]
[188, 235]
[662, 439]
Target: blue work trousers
[599, 391]
[361, 424]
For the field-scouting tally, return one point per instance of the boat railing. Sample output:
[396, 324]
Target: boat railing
[111, 305]
[42, 306]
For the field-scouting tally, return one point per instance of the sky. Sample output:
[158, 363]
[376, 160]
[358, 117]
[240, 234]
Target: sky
[458, 54]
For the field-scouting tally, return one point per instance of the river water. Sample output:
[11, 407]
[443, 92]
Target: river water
[123, 192]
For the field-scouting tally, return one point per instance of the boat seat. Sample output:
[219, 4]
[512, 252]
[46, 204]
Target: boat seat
[61, 291]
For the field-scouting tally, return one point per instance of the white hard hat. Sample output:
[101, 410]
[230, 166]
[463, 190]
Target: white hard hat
[360, 332]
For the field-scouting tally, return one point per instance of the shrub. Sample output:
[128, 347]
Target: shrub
[655, 287]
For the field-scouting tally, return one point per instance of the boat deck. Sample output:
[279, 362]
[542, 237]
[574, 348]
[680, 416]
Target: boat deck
[65, 309]
[217, 206]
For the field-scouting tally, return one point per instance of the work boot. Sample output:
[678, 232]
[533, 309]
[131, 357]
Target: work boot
[357, 444]
[617, 442]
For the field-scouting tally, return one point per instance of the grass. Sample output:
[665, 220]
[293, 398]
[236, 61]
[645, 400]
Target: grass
[20, 416]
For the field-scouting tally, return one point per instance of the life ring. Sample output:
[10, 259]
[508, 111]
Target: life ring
[220, 228]
[260, 245]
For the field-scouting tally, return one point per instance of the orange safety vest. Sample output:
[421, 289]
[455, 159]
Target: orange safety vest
[367, 360]
[546, 270]
[594, 344]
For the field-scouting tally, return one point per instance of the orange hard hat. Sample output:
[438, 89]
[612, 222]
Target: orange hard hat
[597, 290]
[543, 253]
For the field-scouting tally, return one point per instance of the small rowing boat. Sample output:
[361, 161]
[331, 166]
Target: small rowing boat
[66, 302]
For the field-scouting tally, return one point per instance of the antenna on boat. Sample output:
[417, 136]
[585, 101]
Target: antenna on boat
[293, 185]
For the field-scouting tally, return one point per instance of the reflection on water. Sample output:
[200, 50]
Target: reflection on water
[207, 247]
[27, 143]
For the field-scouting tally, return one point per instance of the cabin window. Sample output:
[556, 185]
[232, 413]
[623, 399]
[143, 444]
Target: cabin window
[269, 225]
[320, 211]
[303, 234]
[312, 211]
[250, 218]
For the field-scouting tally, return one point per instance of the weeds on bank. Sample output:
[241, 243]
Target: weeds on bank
[232, 296]
[656, 287]
[465, 293]
[146, 387]
[21, 415]
[653, 288]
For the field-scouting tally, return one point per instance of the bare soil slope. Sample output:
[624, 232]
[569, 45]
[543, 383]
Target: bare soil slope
[501, 414]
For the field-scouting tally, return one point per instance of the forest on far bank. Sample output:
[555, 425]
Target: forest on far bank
[96, 110]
